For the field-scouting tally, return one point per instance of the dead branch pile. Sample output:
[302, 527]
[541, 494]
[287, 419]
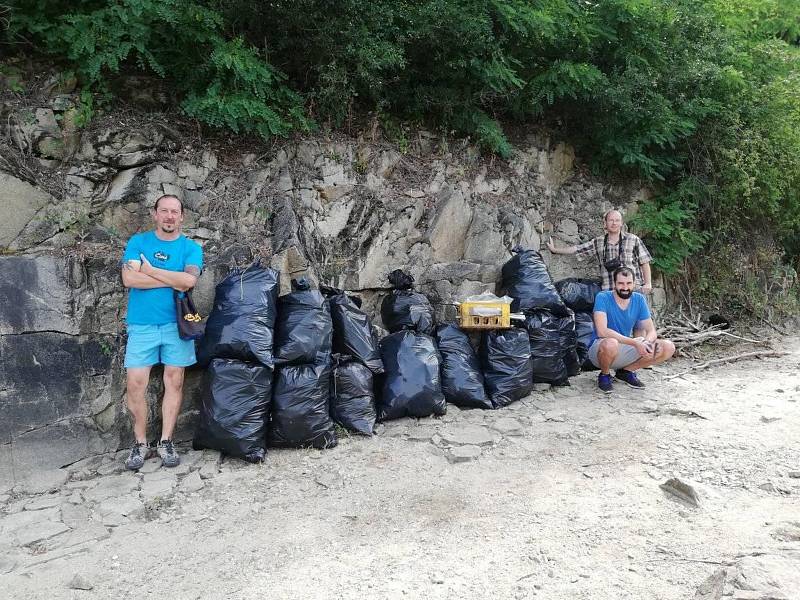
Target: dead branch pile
[689, 332]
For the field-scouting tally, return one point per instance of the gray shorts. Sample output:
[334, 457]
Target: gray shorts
[627, 355]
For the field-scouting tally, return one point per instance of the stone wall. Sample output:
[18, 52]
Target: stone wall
[344, 210]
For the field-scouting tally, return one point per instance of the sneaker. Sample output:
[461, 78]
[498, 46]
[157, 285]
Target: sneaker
[604, 382]
[136, 458]
[169, 456]
[629, 377]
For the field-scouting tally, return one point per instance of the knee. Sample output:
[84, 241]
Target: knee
[173, 378]
[667, 349]
[137, 384]
[609, 346]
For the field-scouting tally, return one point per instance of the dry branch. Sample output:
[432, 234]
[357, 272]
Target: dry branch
[728, 359]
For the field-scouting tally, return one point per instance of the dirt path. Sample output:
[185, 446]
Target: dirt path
[554, 497]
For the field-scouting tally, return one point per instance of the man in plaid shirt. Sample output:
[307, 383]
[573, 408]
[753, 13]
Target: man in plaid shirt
[613, 250]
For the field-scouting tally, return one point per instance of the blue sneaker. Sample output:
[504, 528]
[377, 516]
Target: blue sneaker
[629, 377]
[604, 382]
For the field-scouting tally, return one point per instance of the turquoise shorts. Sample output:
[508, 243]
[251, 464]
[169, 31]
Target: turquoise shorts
[149, 345]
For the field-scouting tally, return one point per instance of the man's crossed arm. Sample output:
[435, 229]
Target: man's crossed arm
[148, 277]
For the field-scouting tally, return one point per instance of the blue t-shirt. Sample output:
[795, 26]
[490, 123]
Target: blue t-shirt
[621, 321]
[157, 306]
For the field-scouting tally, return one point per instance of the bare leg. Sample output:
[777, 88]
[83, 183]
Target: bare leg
[137, 379]
[665, 351]
[609, 348]
[173, 396]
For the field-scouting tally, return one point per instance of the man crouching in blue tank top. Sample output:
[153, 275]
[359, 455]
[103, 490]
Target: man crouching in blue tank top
[624, 337]
[155, 263]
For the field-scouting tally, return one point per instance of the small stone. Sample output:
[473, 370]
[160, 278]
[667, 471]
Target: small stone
[682, 491]
[555, 417]
[464, 453]
[770, 418]
[207, 471]
[112, 487]
[507, 426]
[541, 387]
[43, 482]
[472, 435]
[38, 532]
[74, 515]
[110, 468]
[48, 501]
[437, 579]
[79, 582]
[115, 520]
[794, 474]
[768, 487]
[789, 532]
[192, 483]
[421, 434]
[127, 506]
[649, 406]
[159, 487]
[150, 466]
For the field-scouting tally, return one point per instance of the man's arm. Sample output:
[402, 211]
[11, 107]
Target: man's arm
[647, 287]
[179, 280]
[138, 280]
[648, 330]
[555, 250]
[604, 331]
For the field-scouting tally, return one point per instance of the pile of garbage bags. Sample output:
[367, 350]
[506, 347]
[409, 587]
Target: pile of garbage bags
[411, 384]
[281, 370]
[237, 350]
[357, 360]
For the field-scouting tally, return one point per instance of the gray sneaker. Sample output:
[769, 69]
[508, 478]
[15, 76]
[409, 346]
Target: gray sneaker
[136, 458]
[169, 456]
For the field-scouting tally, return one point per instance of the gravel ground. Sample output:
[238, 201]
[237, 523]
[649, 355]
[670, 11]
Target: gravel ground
[557, 496]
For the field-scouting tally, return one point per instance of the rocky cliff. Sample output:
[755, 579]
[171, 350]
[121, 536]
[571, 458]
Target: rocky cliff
[345, 210]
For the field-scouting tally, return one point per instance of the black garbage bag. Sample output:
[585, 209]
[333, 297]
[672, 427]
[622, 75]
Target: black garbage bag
[353, 398]
[404, 308]
[462, 380]
[584, 327]
[507, 367]
[525, 278]
[304, 328]
[578, 294]
[301, 407]
[411, 381]
[352, 329]
[544, 331]
[569, 342]
[241, 323]
[235, 409]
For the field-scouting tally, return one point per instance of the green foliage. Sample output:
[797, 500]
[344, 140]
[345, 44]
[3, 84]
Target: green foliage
[667, 224]
[224, 82]
[700, 98]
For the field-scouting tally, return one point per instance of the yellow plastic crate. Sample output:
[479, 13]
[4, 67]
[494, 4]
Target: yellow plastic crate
[468, 320]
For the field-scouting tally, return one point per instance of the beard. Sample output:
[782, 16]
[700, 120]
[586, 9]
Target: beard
[624, 294]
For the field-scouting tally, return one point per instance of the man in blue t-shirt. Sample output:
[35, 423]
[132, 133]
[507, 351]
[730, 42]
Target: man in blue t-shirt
[154, 264]
[624, 336]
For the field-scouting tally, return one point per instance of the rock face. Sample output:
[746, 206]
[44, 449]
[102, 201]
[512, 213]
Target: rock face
[345, 212]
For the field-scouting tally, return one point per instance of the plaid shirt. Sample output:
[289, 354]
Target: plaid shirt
[630, 250]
